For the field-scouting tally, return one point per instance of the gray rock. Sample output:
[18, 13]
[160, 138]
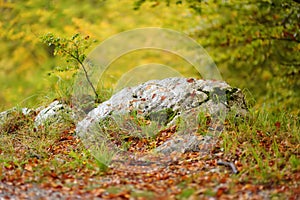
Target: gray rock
[55, 112]
[183, 97]
[183, 143]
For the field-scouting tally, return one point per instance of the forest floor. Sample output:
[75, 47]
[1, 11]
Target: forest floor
[35, 165]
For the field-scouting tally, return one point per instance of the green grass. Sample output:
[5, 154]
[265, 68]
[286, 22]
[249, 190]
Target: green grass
[264, 146]
[103, 155]
[21, 142]
[266, 143]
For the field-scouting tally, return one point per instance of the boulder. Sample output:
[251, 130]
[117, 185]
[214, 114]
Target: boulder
[165, 101]
[56, 112]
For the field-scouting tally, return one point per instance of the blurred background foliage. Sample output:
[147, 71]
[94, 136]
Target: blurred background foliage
[255, 44]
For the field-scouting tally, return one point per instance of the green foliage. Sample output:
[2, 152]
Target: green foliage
[26, 62]
[255, 44]
[73, 50]
[193, 4]
[257, 41]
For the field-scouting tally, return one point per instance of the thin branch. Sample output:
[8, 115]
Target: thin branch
[229, 164]
[283, 22]
[85, 71]
[275, 38]
[88, 79]
[290, 64]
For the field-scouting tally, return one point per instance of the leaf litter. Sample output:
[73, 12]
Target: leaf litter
[66, 170]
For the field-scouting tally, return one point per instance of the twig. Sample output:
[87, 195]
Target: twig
[85, 71]
[229, 164]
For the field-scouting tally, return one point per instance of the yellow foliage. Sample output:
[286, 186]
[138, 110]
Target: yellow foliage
[5, 4]
[27, 61]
